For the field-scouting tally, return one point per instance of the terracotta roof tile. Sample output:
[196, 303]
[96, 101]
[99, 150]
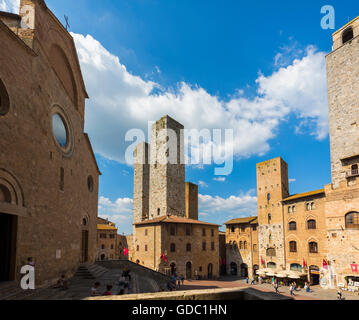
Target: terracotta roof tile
[105, 227]
[305, 194]
[242, 220]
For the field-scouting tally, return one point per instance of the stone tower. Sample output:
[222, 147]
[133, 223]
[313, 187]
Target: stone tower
[343, 101]
[191, 201]
[272, 187]
[342, 195]
[167, 169]
[141, 183]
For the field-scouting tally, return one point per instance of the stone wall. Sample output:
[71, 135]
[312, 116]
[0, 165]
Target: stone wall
[167, 180]
[191, 201]
[52, 182]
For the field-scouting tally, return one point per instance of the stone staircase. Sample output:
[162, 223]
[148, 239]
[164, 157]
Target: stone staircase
[89, 271]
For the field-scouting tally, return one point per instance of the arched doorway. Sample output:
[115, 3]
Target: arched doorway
[173, 268]
[210, 271]
[244, 270]
[103, 257]
[255, 268]
[10, 198]
[188, 270]
[233, 270]
[314, 274]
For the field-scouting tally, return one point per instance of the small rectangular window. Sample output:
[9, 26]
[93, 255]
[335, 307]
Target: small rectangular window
[62, 179]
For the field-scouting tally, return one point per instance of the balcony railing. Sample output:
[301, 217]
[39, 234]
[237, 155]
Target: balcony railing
[353, 173]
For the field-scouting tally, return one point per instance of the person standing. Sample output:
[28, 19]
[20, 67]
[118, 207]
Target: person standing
[247, 280]
[276, 286]
[291, 288]
[182, 279]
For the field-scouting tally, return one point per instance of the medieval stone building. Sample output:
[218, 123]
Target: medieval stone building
[167, 235]
[48, 172]
[315, 235]
[242, 247]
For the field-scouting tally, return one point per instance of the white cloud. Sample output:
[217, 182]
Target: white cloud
[10, 6]
[119, 211]
[241, 205]
[220, 179]
[202, 184]
[120, 101]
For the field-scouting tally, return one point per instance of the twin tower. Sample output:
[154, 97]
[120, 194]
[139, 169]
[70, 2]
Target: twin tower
[160, 189]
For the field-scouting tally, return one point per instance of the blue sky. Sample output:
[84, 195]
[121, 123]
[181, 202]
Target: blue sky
[260, 63]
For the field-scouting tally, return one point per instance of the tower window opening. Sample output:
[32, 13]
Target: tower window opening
[348, 35]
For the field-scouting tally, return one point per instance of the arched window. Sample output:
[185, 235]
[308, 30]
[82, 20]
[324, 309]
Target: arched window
[270, 252]
[296, 267]
[289, 209]
[203, 246]
[233, 229]
[352, 220]
[313, 247]
[173, 247]
[240, 245]
[311, 224]
[292, 246]
[245, 245]
[348, 35]
[271, 265]
[188, 247]
[292, 225]
[293, 209]
[309, 207]
[269, 218]
[268, 197]
[158, 211]
[312, 205]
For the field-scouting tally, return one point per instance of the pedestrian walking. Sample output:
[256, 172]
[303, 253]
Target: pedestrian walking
[291, 289]
[247, 280]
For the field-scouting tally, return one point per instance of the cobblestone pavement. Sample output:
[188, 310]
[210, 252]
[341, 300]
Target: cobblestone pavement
[228, 282]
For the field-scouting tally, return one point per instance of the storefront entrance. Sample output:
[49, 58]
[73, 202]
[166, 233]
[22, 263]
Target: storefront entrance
[314, 275]
[7, 246]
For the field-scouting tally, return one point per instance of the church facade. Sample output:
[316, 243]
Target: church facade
[48, 172]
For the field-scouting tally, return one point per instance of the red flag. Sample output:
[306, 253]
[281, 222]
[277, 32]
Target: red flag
[262, 262]
[304, 265]
[325, 264]
[354, 267]
[125, 252]
[163, 257]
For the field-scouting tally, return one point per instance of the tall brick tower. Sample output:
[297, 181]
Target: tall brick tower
[272, 187]
[343, 100]
[167, 179]
[141, 185]
[191, 201]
